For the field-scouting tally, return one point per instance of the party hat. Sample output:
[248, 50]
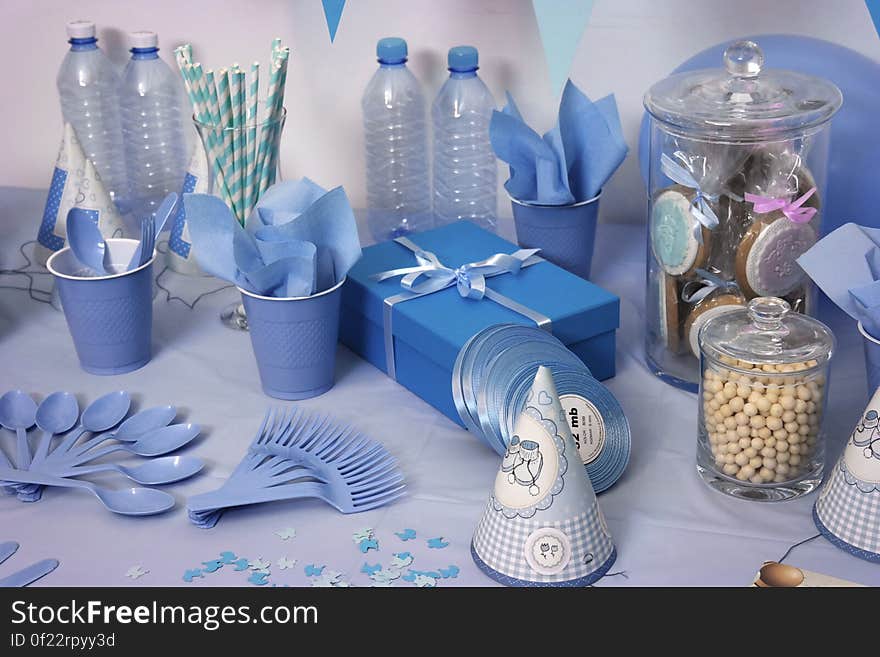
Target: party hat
[75, 184]
[543, 525]
[847, 512]
[180, 250]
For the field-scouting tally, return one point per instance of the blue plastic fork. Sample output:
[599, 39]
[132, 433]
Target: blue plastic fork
[303, 455]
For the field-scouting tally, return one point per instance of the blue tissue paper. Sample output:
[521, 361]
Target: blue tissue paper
[298, 241]
[429, 331]
[570, 163]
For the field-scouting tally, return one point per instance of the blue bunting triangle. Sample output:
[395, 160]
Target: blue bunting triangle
[333, 12]
[561, 23]
[874, 10]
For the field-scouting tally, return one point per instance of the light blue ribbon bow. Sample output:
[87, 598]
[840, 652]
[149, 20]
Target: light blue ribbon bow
[430, 275]
[700, 207]
[706, 283]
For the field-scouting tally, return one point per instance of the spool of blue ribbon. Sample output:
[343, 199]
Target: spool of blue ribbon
[492, 377]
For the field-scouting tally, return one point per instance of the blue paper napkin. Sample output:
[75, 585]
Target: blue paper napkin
[845, 264]
[299, 239]
[570, 163]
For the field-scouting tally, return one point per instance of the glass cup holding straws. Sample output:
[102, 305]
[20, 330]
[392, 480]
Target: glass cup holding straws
[243, 191]
[240, 132]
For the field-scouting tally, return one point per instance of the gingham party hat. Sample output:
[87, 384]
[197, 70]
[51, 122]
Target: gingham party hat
[543, 525]
[847, 512]
[75, 184]
[180, 255]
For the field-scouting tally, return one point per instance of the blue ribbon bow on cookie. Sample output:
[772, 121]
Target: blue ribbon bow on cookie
[700, 207]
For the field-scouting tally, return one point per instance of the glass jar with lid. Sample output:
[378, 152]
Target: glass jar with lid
[737, 173]
[762, 401]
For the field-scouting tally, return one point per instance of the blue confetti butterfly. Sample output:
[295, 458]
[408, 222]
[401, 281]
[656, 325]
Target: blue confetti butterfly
[437, 543]
[312, 570]
[212, 566]
[452, 572]
[369, 570]
[368, 544]
[259, 578]
[406, 534]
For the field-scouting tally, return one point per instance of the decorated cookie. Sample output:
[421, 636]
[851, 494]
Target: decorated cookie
[710, 307]
[673, 240]
[669, 309]
[766, 259]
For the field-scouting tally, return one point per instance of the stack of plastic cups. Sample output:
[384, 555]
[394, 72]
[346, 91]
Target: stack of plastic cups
[110, 317]
[294, 341]
[491, 380]
[872, 359]
[564, 233]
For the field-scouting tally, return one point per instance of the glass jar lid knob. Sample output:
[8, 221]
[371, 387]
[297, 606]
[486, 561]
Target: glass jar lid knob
[743, 59]
[767, 314]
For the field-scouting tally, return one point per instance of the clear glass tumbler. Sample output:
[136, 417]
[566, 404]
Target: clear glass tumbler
[243, 162]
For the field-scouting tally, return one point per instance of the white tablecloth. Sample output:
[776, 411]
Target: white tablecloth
[669, 527]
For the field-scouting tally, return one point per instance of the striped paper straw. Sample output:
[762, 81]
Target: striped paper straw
[253, 104]
[274, 102]
[207, 117]
[224, 103]
[266, 132]
[192, 77]
[209, 92]
[238, 88]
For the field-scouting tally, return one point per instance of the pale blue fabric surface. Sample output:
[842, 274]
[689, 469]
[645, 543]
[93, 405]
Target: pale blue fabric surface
[669, 528]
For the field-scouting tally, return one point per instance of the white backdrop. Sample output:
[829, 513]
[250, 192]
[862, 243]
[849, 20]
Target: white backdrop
[628, 45]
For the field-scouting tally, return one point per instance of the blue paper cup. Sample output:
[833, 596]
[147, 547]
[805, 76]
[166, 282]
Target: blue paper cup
[110, 317]
[564, 233]
[294, 340]
[872, 360]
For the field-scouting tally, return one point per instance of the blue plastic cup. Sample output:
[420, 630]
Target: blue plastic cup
[872, 360]
[294, 340]
[110, 317]
[564, 233]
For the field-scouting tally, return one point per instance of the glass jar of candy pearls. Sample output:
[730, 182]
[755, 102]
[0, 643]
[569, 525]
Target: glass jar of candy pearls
[736, 183]
[762, 400]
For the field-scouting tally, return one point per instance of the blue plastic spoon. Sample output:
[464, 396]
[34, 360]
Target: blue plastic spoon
[125, 501]
[159, 442]
[102, 414]
[142, 422]
[56, 414]
[86, 240]
[29, 575]
[164, 470]
[18, 412]
[7, 549]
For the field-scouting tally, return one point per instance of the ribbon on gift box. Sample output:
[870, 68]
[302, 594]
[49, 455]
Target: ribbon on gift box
[700, 207]
[430, 276]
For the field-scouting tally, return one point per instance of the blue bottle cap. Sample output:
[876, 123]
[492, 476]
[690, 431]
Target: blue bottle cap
[391, 50]
[463, 58]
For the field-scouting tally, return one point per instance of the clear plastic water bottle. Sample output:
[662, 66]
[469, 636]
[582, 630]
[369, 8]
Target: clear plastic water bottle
[88, 85]
[398, 193]
[152, 126]
[465, 172]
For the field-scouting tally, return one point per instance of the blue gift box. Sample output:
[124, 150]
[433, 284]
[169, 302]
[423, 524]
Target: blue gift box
[429, 331]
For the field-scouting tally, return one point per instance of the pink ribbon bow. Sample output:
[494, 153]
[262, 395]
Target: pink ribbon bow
[792, 209]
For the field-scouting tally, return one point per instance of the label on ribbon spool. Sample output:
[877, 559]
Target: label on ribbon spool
[587, 426]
